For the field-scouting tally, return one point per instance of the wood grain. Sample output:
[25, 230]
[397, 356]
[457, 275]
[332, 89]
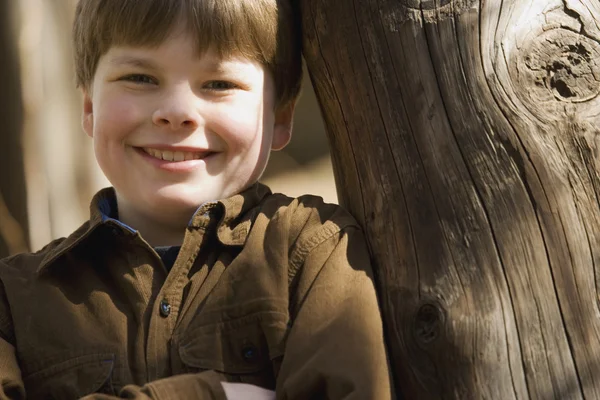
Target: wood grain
[464, 139]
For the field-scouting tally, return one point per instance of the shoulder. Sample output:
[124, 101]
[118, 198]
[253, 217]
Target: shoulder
[28, 264]
[307, 222]
[17, 277]
[316, 237]
[307, 212]
[308, 208]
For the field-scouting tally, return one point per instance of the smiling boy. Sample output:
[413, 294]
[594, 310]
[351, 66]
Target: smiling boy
[190, 274]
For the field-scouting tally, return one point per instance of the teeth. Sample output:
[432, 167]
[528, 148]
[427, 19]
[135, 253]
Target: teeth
[153, 153]
[167, 155]
[175, 156]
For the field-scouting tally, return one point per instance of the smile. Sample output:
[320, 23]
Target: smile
[175, 156]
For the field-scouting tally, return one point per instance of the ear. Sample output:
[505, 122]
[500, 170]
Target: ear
[284, 121]
[87, 118]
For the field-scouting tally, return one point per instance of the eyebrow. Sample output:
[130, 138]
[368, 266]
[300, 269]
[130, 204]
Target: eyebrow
[212, 66]
[220, 66]
[134, 62]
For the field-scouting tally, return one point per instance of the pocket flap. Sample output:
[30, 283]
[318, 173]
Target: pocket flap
[70, 379]
[240, 346]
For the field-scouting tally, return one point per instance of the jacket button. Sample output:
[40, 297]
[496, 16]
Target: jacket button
[165, 308]
[250, 352]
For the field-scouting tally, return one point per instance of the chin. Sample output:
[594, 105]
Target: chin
[182, 199]
[176, 204]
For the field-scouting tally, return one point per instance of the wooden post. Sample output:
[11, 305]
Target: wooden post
[13, 201]
[465, 140]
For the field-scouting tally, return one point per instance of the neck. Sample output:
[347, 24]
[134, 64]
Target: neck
[165, 231]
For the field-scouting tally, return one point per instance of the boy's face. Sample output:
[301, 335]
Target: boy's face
[172, 130]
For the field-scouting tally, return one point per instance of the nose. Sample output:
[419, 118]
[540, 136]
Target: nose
[177, 110]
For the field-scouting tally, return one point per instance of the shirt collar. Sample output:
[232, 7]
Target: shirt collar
[235, 217]
[240, 212]
[235, 214]
[96, 219]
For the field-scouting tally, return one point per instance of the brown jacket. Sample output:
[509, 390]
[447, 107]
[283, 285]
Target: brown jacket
[266, 290]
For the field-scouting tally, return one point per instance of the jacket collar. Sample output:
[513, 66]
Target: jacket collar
[235, 217]
[240, 212]
[97, 205]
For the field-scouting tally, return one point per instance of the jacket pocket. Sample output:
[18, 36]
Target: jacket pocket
[245, 349]
[72, 379]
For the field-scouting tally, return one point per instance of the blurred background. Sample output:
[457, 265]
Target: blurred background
[48, 173]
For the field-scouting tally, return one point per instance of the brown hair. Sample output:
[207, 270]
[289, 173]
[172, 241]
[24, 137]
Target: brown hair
[265, 31]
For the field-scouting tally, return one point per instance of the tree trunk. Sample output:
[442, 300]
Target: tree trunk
[13, 201]
[465, 140]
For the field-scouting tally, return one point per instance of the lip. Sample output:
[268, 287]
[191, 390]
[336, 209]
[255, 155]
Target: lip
[176, 166]
[185, 149]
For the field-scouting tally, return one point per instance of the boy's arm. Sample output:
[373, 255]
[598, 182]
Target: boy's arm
[205, 385]
[335, 349]
[11, 383]
[202, 386]
[199, 386]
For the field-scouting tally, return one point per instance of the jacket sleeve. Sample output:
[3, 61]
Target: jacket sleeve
[335, 349]
[203, 386]
[11, 383]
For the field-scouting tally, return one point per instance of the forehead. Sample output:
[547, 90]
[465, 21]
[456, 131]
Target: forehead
[177, 49]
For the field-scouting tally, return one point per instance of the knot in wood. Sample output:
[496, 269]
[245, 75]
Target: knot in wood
[428, 323]
[566, 64]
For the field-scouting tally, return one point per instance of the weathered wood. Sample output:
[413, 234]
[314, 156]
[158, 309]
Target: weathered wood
[13, 201]
[465, 140]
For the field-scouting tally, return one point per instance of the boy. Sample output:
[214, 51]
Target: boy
[189, 274]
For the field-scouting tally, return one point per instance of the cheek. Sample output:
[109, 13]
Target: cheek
[118, 114]
[239, 126]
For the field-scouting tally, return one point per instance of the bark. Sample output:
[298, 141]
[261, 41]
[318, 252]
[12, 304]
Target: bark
[13, 204]
[464, 139]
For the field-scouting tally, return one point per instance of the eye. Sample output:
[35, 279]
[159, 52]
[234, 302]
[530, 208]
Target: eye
[220, 85]
[139, 78]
